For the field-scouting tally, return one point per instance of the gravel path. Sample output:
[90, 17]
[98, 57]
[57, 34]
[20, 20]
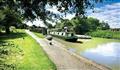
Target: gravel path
[63, 60]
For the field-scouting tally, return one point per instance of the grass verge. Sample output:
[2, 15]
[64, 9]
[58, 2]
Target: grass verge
[32, 56]
[39, 35]
[105, 34]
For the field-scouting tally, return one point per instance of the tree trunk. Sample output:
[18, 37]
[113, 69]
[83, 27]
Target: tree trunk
[7, 29]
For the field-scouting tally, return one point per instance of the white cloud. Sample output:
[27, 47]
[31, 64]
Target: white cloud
[69, 16]
[28, 23]
[109, 13]
[55, 11]
[36, 22]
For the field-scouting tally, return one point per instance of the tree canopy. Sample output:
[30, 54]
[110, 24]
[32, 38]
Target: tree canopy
[32, 9]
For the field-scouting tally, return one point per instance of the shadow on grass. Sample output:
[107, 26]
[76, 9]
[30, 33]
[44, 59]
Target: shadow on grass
[4, 36]
[9, 50]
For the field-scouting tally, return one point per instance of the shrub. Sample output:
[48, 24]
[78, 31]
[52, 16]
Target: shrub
[7, 51]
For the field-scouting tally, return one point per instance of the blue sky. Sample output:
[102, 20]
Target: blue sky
[108, 11]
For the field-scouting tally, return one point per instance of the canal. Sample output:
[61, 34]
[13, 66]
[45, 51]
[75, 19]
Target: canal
[107, 54]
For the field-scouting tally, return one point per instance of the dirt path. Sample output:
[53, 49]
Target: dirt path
[62, 59]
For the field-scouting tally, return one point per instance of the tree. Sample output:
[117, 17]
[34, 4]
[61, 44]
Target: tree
[93, 23]
[77, 25]
[104, 26]
[32, 9]
[10, 18]
[80, 25]
[65, 23]
[49, 26]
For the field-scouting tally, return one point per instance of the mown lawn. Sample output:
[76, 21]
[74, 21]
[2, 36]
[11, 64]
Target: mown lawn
[31, 55]
[84, 44]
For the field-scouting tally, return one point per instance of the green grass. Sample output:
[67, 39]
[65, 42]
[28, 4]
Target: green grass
[106, 34]
[39, 35]
[33, 57]
[84, 44]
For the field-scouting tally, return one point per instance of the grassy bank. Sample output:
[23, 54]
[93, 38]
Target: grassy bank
[39, 35]
[30, 55]
[106, 34]
[84, 44]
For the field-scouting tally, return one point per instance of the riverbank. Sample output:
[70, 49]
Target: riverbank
[84, 44]
[105, 34]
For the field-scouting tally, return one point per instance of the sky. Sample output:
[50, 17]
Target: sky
[108, 11]
[37, 22]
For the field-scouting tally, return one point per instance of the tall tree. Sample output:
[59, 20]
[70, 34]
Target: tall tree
[10, 18]
[81, 25]
[93, 23]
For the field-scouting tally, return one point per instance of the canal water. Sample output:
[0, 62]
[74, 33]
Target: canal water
[106, 54]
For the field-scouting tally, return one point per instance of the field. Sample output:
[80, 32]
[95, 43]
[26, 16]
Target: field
[22, 52]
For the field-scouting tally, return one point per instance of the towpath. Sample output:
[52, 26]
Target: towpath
[63, 60]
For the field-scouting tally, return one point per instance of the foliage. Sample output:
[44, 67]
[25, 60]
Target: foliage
[65, 23]
[1, 28]
[105, 34]
[49, 25]
[8, 53]
[104, 26]
[22, 26]
[11, 18]
[82, 25]
[94, 24]
[42, 30]
[32, 9]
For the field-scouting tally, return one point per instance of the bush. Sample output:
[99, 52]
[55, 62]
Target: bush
[7, 51]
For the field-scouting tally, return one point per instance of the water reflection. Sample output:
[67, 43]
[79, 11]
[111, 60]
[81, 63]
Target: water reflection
[106, 54]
